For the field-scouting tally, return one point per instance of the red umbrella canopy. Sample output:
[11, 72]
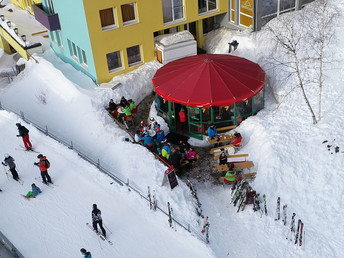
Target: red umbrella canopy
[209, 80]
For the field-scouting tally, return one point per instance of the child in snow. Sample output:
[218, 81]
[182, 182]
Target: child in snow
[85, 253]
[34, 192]
[9, 161]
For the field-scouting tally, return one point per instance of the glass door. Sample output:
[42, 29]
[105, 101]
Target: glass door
[172, 112]
[195, 122]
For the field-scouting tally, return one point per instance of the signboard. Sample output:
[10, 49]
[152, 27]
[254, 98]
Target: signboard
[170, 174]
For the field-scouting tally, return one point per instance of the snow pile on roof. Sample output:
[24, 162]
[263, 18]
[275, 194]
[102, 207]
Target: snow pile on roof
[174, 38]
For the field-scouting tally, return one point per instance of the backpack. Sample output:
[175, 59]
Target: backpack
[47, 163]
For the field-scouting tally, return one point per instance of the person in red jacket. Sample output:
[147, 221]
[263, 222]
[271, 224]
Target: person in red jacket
[237, 141]
[43, 165]
[182, 119]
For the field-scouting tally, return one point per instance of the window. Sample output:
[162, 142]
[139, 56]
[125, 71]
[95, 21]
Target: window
[59, 38]
[206, 6]
[107, 19]
[134, 55]
[50, 6]
[74, 53]
[128, 13]
[52, 37]
[83, 57]
[114, 61]
[172, 10]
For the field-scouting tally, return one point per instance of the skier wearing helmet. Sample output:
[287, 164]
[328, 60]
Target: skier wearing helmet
[43, 165]
[9, 161]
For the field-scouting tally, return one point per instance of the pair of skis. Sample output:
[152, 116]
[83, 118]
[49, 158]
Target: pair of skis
[105, 239]
[278, 211]
[205, 229]
[23, 149]
[170, 217]
[195, 197]
[299, 233]
[152, 200]
[51, 185]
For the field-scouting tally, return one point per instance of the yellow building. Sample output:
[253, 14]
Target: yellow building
[26, 4]
[106, 38]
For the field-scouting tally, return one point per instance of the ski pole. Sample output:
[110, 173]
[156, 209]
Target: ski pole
[107, 228]
[6, 172]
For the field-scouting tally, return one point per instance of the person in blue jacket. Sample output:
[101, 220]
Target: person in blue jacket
[160, 136]
[166, 151]
[34, 192]
[212, 132]
[147, 140]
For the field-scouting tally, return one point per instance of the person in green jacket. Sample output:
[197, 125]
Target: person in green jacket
[132, 105]
[230, 174]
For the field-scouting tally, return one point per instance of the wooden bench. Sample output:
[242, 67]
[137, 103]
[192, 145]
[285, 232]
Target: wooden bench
[225, 128]
[237, 165]
[247, 176]
[221, 138]
[218, 149]
[233, 156]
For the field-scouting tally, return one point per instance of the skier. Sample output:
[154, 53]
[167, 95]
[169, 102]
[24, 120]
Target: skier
[86, 253]
[34, 192]
[43, 165]
[97, 219]
[10, 162]
[24, 133]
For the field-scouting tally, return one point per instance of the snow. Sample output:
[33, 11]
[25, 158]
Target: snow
[290, 158]
[174, 38]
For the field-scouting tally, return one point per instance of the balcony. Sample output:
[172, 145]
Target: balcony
[50, 21]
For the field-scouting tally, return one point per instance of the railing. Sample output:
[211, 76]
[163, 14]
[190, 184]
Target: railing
[103, 167]
[9, 246]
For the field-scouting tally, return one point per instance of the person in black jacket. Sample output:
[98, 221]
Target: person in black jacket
[223, 158]
[24, 133]
[97, 219]
[124, 102]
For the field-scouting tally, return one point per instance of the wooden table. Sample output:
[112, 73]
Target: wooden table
[221, 138]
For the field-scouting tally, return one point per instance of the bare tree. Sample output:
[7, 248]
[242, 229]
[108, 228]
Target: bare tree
[289, 34]
[320, 32]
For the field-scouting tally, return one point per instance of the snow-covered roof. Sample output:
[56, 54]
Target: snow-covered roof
[174, 38]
